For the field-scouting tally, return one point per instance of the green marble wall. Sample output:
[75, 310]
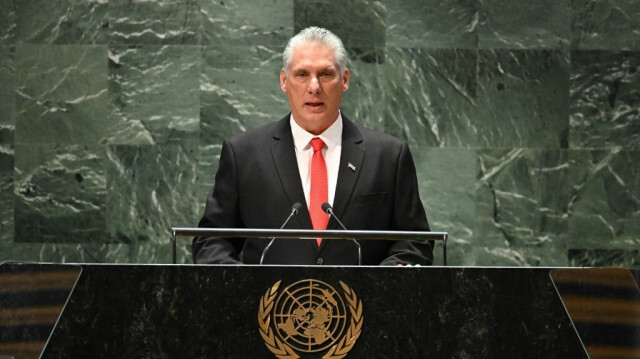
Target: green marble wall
[522, 116]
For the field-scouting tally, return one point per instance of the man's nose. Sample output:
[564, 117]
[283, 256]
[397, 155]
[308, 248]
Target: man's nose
[314, 85]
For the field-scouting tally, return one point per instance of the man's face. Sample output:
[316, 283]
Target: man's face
[314, 87]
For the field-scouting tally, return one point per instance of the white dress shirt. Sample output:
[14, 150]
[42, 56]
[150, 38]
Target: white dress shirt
[332, 138]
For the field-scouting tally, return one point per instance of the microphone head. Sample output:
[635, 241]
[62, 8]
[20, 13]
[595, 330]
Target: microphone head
[296, 208]
[327, 208]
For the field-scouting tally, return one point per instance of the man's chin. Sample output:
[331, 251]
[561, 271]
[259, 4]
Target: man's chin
[315, 123]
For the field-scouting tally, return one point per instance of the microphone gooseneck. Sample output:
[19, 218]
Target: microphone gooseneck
[295, 209]
[329, 210]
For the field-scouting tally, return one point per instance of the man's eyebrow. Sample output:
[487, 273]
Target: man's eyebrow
[304, 70]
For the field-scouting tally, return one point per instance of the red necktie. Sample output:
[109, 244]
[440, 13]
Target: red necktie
[319, 188]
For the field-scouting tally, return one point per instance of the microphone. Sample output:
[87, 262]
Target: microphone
[329, 210]
[295, 209]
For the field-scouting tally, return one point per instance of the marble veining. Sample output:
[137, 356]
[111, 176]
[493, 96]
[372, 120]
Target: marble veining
[60, 94]
[154, 94]
[516, 207]
[604, 199]
[237, 22]
[508, 24]
[68, 22]
[146, 176]
[605, 25]
[153, 22]
[605, 93]
[522, 99]
[59, 194]
[432, 24]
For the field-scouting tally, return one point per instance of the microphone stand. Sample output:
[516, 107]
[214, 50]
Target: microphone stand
[294, 210]
[327, 208]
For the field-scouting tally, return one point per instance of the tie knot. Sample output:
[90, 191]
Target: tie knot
[317, 144]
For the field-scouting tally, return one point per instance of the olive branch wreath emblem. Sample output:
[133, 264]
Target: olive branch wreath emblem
[284, 351]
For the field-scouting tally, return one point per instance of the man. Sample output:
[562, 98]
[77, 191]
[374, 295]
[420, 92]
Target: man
[312, 156]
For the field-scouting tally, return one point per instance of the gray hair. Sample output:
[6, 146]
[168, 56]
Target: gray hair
[320, 36]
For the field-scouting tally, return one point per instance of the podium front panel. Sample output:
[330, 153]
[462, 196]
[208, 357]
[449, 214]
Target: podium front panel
[209, 311]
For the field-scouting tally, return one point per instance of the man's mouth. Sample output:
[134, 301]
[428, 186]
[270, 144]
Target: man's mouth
[314, 104]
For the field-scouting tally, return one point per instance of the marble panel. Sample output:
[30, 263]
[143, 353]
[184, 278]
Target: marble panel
[139, 22]
[208, 159]
[7, 120]
[61, 94]
[364, 101]
[7, 22]
[160, 253]
[153, 92]
[552, 256]
[184, 254]
[604, 202]
[238, 22]
[360, 24]
[605, 25]
[522, 198]
[446, 178]
[605, 100]
[59, 193]
[523, 99]
[65, 252]
[7, 127]
[432, 23]
[6, 197]
[62, 21]
[239, 90]
[518, 24]
[419, 71]
[430, 96]
[604, 258]
[7, 72]
[151, 189]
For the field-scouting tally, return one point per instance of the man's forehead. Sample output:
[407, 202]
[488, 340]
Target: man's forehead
[313, 51]
[311, 65]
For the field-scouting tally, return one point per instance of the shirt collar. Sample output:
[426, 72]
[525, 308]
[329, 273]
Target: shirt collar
[331, 137]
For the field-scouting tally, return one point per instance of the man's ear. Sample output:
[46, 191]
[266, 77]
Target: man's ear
[283, 81]
[345, 79]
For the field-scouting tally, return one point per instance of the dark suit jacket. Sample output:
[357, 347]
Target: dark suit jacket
[258, 181]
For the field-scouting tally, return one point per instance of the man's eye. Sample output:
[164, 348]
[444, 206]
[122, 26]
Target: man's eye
[301, 74]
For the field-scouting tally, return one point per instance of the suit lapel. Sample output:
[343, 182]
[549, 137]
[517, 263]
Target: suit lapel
[284, 160]
[351, 159]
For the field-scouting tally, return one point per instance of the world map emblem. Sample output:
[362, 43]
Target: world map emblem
[310, 318]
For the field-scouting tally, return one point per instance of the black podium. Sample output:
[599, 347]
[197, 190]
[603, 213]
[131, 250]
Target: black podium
[196, 311]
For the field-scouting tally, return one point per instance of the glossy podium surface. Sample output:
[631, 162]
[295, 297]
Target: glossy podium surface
[188, 311]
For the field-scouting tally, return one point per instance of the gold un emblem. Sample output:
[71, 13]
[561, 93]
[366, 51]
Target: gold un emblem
[310, 317]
